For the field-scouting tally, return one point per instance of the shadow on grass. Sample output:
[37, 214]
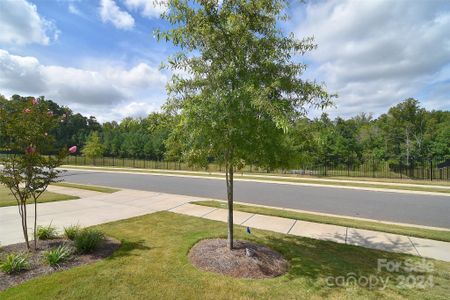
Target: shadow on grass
[128, 248]
[313, 259]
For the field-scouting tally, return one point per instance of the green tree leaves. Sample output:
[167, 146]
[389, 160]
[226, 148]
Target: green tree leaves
[94, 147]
[243, 88]
[25, 124]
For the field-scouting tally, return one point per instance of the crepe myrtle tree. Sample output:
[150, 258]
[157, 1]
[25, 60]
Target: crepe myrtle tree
[237, 85]
[27, 172]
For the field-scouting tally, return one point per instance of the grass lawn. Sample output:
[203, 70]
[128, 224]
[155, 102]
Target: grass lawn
[395, 180]
[152, 264]
[6, 199]
[94, 188]
[424, 185]
[439, 235]
[423, 188]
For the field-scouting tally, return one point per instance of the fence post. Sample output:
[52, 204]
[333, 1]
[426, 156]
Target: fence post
[373, 167]
[431, 170]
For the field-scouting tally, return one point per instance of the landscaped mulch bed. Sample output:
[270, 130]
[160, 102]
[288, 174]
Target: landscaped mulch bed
[38, 267]
[213, 255]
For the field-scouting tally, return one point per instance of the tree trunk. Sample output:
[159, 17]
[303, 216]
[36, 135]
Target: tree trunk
[35, 224]
[25, 224]
[229, 179]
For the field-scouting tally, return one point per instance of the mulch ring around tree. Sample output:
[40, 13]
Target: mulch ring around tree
[38, 267]
[246, 260]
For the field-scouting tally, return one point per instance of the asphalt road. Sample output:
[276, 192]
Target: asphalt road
[395, 207]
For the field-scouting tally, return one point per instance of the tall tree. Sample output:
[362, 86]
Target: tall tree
[94, 147]
[243, 87]
[404, 127]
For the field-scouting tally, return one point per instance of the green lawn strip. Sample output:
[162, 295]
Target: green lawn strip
[403, 230]
[94, 188]
[364, 185]
[274, 178]
[393, 180]
[152, 263]
[6, 199]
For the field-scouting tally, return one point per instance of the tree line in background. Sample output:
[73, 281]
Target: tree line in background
[406, 134]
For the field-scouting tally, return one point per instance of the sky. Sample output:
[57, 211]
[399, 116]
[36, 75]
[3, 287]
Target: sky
[99, 57]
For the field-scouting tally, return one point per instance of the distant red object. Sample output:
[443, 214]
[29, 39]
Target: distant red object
[73, 149]
[27, 110]
[30, 150]
[35, 101]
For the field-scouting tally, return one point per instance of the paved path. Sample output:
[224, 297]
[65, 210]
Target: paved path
[411, 208]
[339, 234]
[101, 208]
[87, 211]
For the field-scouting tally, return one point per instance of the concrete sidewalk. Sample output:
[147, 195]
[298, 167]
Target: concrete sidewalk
[96, 208]
[92, 209]
[339, 234]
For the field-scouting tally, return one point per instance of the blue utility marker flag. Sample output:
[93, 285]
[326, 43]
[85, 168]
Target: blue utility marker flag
[248, 230]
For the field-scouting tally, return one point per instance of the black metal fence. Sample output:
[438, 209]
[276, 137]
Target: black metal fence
[428, 170]
[436, 169]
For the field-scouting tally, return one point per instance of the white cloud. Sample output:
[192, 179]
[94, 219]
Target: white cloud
[110, 12]
[147, 8]
[74, 9]
[140, 76]
[17, 71]
[20, 24]
[376, 53]
[109, 93]
[133, 109]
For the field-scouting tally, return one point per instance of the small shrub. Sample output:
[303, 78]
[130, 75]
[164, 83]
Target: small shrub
[15, 262]
[46, 232]
[71, 232]
[58, 255]
[87, 240]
